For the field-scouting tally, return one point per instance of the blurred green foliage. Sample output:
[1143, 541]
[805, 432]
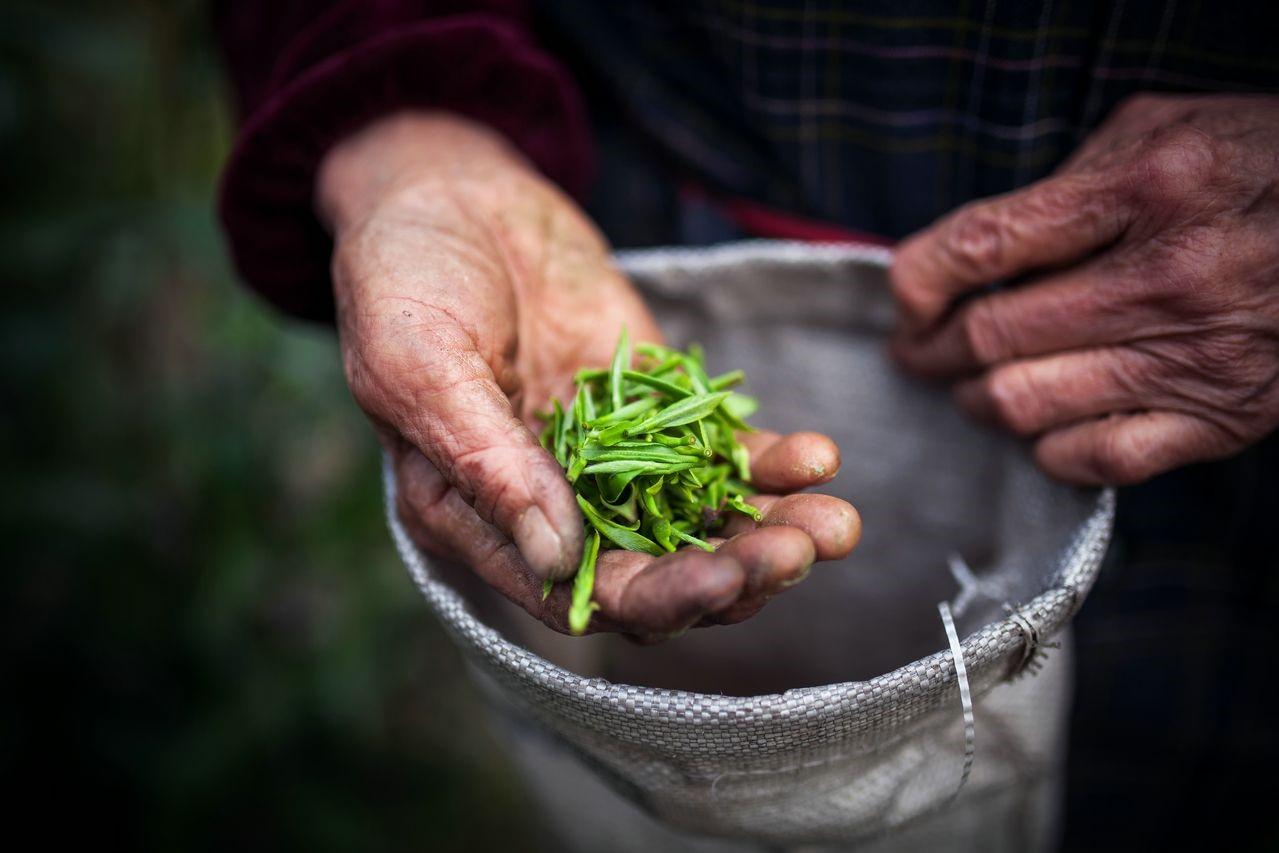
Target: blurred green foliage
[208, 640]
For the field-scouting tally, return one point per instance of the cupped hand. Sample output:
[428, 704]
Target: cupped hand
[469, 292]
[1138, 326]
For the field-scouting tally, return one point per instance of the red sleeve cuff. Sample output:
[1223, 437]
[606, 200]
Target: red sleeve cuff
[479, 66]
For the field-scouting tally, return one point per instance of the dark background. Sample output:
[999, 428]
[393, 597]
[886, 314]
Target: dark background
[207, 639]
[208, 642]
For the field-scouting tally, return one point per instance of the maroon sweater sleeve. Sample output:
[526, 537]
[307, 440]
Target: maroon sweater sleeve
[308, 72]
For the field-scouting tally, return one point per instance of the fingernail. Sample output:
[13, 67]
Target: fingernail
[802, 574]
[539, 544]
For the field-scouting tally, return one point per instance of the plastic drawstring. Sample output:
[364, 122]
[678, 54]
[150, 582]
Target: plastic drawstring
[965, 695]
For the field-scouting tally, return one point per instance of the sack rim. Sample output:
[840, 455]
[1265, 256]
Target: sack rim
[992, 653]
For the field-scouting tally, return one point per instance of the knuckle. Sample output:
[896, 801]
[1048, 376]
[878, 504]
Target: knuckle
[486, 477]
[1225, 354]
[1177, 284]
[1055, 199]
[405, 509]
[1222, 374]
[905, 282]
[902, 284]
[1015, 401]
[416, 524]
[984, 333]
[977, 241]
[422, 495]
[1176, 162]
[1234, 374]
[1132, 374]
[1123, 456]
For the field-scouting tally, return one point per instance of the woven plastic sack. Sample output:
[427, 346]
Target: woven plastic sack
[858, 729]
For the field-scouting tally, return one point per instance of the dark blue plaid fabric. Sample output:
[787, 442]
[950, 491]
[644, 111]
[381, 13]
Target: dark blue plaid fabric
[1175, 735]
[882, 115]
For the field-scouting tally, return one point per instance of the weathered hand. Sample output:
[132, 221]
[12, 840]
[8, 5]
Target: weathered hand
[469, 291]
[1140, 331]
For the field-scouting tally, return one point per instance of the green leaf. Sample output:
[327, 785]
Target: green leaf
[740, 405]
[625, 413]
[648, 500]
[615, 533]
[562, 422]
[727, 380]
[624, 509]
[622, 466]
[701, 382]
[621, 361]
[670, 389]
[686, 411]
[662, 531]
[730, 421]
[703, 432]
[575, 466]
[648, 453]
[739, 503]
[579, 612]
[616, 484]
[686, 440]
[611, 434]
[657, 351]
[659, 447]
[715, 495]
[742, 460]
[668, 365]
[692, 540]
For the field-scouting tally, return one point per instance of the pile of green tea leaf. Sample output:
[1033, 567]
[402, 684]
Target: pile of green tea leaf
[652, 454]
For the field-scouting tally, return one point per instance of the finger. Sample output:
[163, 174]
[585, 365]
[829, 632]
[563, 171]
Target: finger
[792, 462]
[832, 524]
[636, 594]
[1097, 304]
[666, 595]
[774, 559]
[445, 400]
[1055, 221]
[441, 521]
[413, 495]
[1032, 395]
[1125, 449]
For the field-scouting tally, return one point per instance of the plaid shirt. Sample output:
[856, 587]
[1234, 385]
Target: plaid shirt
[883, 115]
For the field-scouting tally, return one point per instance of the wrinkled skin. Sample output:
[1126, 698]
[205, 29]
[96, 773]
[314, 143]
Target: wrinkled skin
[1140, 331]
[469, 291]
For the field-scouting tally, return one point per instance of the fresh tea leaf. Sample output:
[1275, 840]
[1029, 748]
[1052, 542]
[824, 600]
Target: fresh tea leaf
[579, 612]
[686, 411]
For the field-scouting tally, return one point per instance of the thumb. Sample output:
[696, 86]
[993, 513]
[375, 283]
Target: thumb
[442, 397]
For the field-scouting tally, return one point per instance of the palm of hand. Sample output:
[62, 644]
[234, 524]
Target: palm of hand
[459, 320]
